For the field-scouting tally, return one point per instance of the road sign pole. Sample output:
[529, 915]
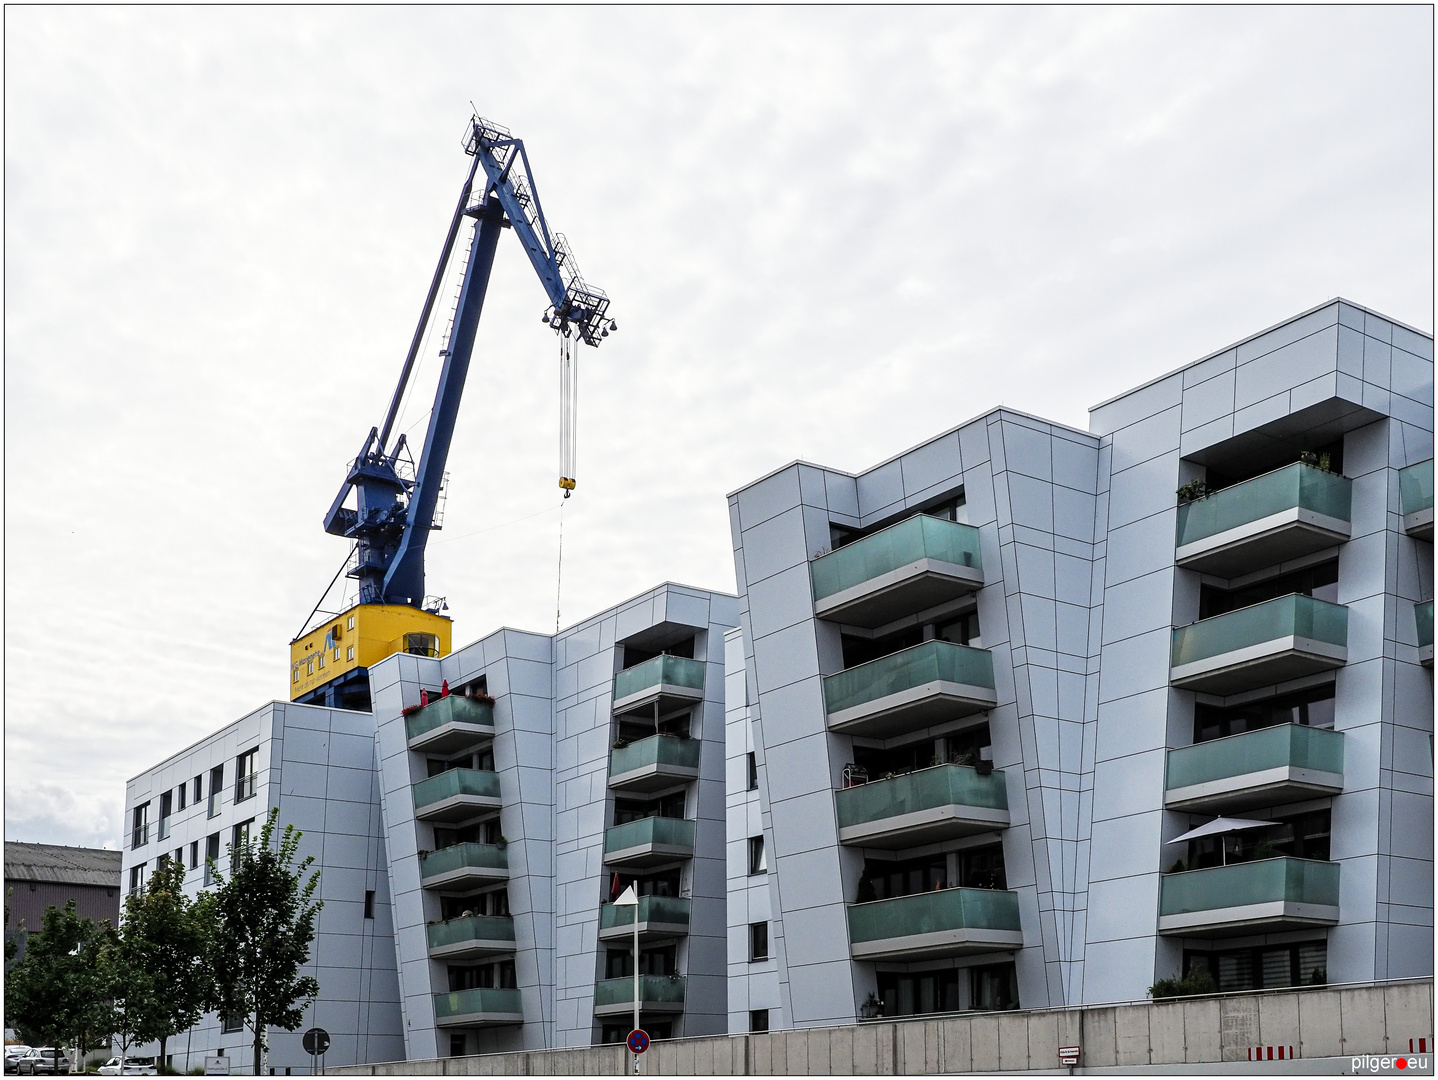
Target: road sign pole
[636, 982]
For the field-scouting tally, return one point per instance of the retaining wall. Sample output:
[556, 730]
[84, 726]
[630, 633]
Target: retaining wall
[1317, 1023]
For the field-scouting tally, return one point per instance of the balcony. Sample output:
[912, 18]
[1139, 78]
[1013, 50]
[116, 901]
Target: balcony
[450, 724]
[1423, 616]
[1415, 493]
[649, 842]
[657, 762]
[456, 795]
[463, 865]
[909, 690]
[922, 807]
[470, 936]
[659, 916]
[909, 567]
[1280, 764]
[669, 682]
[1268, 896]
[657, 994]
[931, 925]
[1292, 511]
[483, 1007]
[1266, 643]
[246, 787]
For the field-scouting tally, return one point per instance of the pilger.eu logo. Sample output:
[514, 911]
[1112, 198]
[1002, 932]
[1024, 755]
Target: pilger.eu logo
[1376, 1064]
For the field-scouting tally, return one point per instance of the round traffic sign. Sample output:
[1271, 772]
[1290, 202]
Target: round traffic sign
[638, 1041]
[316, 1041]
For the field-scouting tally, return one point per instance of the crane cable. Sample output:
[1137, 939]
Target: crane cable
[568, 432]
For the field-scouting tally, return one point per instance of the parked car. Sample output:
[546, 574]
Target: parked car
[130, 1067]
[13, 1053]
[44, 1060]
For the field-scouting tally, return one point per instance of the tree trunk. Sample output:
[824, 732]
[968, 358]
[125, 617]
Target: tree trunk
[258, 1040]
[161, 1063]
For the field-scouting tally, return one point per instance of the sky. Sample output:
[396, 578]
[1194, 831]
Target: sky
[827, 233]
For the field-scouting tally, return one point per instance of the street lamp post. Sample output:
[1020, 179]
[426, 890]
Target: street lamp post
[629, 899]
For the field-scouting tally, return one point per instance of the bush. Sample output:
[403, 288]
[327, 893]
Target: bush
[1195, 982]
[1192, 492]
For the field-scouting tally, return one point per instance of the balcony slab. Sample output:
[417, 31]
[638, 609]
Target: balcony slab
[917, 586]
[1277, 538]
[1261, 664]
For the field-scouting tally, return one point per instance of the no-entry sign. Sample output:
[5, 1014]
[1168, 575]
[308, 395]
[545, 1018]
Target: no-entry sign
[638, 1041]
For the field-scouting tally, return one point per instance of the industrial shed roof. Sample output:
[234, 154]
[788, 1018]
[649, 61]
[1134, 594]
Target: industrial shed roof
[62, 865]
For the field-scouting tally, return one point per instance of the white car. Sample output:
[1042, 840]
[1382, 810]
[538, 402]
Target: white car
[43, 1059]
[130, 1067]
[13, 1053]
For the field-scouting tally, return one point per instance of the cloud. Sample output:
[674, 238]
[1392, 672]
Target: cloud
[828, 233]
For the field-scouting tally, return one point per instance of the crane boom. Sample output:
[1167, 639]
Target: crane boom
[394, 510]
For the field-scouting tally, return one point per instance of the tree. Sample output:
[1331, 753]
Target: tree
[56, 993]
[157, 970]
[13, 938]
[263, 925]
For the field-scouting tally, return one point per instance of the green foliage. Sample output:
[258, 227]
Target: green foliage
[1322, 461]
[156, 970]
[1196, 981]
[263, 920]
[1179, 866]
[12, 937]
[1193, 491]
[55, 994]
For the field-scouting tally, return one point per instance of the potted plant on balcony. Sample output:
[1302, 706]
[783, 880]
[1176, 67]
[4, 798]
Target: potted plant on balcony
[1193, 491]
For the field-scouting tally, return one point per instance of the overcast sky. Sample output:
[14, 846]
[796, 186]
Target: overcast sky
[827, 233]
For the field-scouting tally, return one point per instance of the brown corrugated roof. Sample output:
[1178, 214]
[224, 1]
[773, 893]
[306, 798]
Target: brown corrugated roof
[63, 865]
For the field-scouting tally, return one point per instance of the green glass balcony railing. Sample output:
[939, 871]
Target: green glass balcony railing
[659, 671]
[452, 709]
[1287, 616]
[454, 782]
[1305, 487]
[655, 750]
[941, 785]
[1423, 616]
[461, 856]
[1415, 487]
[930, 662]
[652, 988]
[676, 832]
[933, 912]
[479, 1001]
[1291, 745]
[918, 537]
[1265, 881]
[469, 928]
[673, 910]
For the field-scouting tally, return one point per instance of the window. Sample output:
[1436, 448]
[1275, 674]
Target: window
[179, 856]
[758, 941]
[217, 781]
[369, 904]
[230, 1024]
[994, 987]
[310, 668]
[180, 791]
[239, 837]
[350, 653]
[322, 660]
[1265, 967]
[758, 1019]
[456, 1038]
[753, 772]
[245, 774]
[198, 784]
[351, 624]
[337, 652]
[140, 826]
[137, 877]
[167, 805]
[961, 631]
[757, 865]
[212, 856]
[1312, 708]
[902, 994]
[297, 675]
[194, 854]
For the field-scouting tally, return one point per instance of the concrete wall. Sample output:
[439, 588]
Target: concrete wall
[1320, 1023]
